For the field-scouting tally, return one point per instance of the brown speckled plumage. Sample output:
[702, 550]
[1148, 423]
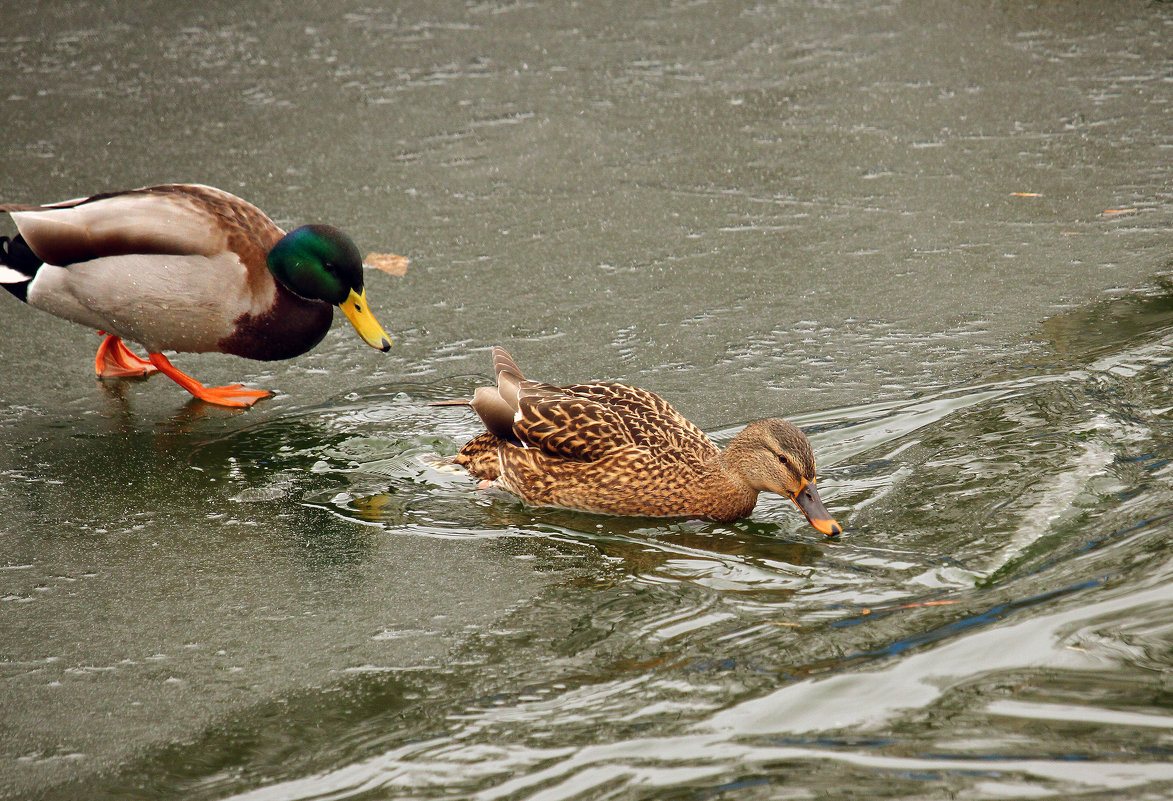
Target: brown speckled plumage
[618, 449]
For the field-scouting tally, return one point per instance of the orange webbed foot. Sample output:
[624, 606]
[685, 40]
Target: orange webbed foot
[232, 395]
[115, 360]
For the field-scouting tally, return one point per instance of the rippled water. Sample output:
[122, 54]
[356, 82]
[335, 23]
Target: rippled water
[935, 236]
[1005, 553]
[993, 622]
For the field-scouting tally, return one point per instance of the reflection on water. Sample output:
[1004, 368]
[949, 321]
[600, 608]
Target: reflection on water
[992, 622]
[1082, 334]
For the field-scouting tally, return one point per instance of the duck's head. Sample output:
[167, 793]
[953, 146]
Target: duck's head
[319, 262]
[774, 456]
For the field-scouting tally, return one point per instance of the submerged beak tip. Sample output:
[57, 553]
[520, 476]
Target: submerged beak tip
[826, 527]
[811, 505]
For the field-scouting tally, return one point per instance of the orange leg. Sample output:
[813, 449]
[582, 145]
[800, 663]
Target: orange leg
[233, 395]
[114, 360]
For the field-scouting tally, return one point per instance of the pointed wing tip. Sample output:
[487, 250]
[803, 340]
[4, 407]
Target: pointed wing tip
[503, 363]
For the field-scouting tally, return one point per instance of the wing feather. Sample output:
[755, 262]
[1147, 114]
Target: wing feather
[567, 425]
[587, 422]
[503, 363]
[177, 220]
[650, 420]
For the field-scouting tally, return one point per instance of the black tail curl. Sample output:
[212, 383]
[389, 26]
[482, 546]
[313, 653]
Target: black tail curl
[15, 254]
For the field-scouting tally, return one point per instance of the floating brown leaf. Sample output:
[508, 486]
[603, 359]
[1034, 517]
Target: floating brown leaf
[387, 262]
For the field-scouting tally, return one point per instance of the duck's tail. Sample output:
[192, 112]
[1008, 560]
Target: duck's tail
[18, 266]
[494, 411]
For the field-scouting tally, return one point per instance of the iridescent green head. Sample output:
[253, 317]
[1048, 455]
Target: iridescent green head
[319, 262]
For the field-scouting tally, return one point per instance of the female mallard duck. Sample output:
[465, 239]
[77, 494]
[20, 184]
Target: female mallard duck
[186, 268]
[620, 450]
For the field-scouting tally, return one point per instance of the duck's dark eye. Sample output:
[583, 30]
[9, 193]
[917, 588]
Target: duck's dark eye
[783, 460]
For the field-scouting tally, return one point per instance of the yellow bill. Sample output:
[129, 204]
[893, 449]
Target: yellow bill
[356, 310]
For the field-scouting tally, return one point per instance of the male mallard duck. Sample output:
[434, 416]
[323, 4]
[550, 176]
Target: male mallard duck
[621, 450]
[186, 268]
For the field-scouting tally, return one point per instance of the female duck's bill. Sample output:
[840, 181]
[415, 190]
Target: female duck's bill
[810, 504]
